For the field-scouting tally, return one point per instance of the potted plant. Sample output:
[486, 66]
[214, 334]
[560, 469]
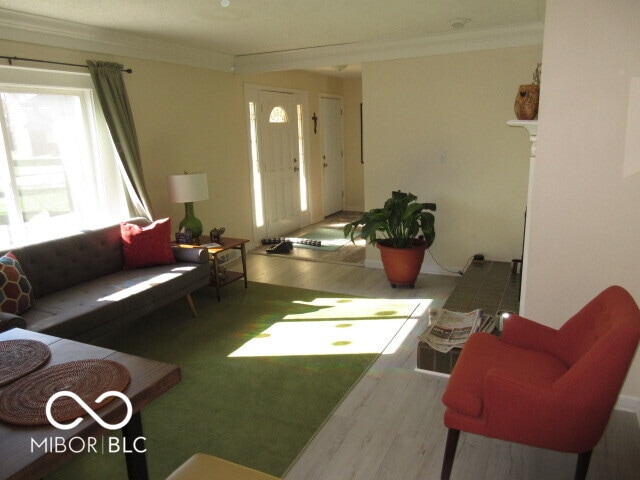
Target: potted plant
[402, 230]
[528, 98]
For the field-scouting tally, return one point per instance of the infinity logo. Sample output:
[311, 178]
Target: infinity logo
[88, 409]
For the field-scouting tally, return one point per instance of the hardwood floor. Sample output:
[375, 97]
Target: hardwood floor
[389, 427]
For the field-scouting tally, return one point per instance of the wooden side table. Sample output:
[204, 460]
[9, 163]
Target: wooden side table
[226, 243]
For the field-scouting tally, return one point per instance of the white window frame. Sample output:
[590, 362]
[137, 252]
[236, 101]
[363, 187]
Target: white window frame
[100, 194]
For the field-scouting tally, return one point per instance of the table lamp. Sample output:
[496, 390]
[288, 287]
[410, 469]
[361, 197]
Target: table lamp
[188, 188]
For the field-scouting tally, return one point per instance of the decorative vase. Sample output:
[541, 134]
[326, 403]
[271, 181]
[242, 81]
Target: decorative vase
[190, 223]
[527, 100]
[402, 265]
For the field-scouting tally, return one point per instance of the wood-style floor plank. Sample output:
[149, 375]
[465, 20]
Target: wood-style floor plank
[390, 425]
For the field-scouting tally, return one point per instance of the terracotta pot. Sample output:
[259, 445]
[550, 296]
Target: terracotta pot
[527, 100]
[402, 265]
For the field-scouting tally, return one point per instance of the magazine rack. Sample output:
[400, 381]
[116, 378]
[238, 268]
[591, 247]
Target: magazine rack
[436, 362]
[436, 351]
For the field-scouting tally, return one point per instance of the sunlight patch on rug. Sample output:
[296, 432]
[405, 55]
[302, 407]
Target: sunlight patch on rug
[332, 239]
[339, 326]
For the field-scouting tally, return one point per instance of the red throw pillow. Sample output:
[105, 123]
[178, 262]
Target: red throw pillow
[144, 246]
[16, 294]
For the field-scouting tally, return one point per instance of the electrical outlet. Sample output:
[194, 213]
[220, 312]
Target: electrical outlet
[478, 259]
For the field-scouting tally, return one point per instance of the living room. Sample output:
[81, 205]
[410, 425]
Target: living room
[585, 172]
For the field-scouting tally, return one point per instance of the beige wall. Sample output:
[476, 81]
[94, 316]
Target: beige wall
[353, 166]
[193, 119]
[181, 116]
[585, 229]
[458, 104]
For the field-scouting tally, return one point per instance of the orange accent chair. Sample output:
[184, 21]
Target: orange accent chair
[543, 387]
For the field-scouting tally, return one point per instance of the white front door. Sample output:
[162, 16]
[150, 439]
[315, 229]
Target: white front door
[332, 158]
[280, 159]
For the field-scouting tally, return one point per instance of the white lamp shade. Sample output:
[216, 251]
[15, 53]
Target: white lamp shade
[188, 187]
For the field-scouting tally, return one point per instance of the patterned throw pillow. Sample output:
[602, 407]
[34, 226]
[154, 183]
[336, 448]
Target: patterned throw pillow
[145, 246]
[16, 293]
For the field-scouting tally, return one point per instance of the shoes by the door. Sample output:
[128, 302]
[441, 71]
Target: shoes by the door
[282, 247]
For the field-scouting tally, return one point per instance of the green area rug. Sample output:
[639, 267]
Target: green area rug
[259, 411]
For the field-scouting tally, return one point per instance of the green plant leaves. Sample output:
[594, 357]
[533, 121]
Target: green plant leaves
[400, 221]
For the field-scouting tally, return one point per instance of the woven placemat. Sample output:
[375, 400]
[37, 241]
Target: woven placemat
[19, 357]
[24, 402]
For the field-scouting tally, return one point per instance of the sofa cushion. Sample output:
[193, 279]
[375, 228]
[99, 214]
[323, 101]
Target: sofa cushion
[16, 293]
[61, 263]
[79, 310]
[149, 245]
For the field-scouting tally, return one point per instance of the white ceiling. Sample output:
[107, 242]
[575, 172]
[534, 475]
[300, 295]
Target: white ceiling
[253, 35]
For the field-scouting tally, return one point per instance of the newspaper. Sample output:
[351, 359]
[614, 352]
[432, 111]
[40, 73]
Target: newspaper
[449, 329]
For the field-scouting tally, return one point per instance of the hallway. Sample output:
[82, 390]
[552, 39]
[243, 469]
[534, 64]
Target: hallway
[349, 254]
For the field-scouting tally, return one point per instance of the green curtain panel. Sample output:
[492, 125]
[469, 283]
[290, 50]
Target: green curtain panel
[112, 94]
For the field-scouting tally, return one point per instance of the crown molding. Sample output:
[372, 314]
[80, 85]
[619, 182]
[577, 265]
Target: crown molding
[21, 27]
[445, 43]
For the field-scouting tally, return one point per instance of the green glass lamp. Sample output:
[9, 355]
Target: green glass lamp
[188, 188]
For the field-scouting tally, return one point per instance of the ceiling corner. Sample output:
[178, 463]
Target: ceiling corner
[21, 27]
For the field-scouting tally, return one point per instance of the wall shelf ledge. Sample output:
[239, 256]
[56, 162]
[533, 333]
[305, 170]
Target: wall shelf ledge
[532, 128]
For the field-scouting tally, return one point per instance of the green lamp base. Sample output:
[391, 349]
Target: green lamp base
[190, 222]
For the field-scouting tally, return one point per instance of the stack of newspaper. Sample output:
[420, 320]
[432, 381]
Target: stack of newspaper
[448, 329]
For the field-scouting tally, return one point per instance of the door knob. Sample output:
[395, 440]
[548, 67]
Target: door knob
[296, 169]
[325, 165]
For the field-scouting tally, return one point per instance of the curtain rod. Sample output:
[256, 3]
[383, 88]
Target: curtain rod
[11, 59]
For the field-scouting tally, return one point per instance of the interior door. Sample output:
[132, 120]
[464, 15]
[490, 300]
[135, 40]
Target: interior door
[332, 157]
[280, 162]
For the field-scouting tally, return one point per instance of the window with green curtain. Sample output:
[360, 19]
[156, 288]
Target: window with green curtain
[58, 169]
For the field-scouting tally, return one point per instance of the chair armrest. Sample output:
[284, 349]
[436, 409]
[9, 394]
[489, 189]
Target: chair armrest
[524, 333]
[9, 321]
[190, 255]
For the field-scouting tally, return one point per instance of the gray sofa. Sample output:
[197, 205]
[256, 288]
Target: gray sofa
[81, 289]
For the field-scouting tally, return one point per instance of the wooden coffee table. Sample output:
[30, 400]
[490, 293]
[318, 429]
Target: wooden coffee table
[149, 380]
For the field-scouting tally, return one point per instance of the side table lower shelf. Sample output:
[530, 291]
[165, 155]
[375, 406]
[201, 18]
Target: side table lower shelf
[435, 361]
[229, 277]
[225, 244]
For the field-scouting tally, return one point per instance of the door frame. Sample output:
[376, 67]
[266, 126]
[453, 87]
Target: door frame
[322, 154]
[252, 94]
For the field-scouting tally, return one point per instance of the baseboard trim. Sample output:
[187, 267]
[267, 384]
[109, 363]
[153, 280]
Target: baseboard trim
[353, 209]
[627, 403]
[430, 269]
